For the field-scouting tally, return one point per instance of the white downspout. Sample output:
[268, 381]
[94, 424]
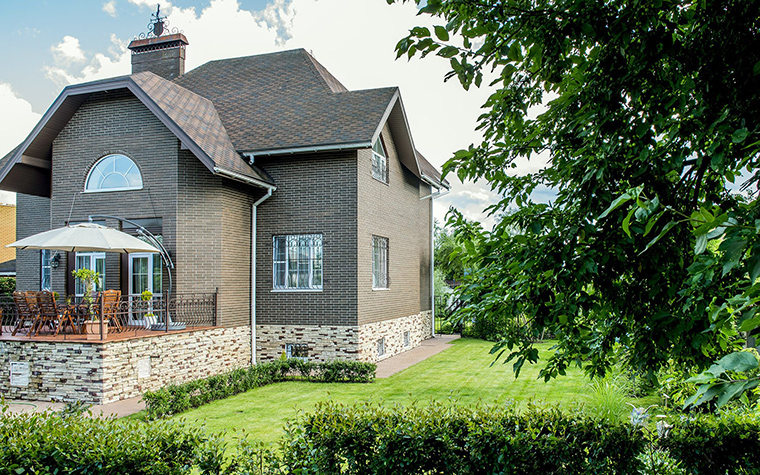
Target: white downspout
[432, 197]
[254, 208]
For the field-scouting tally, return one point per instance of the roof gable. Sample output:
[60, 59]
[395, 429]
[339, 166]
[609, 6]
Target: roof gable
[193, 119]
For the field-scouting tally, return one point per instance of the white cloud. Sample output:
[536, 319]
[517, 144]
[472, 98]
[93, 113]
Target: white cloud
[116, 62]
[68, 51]
[16, 121]
[110, 8]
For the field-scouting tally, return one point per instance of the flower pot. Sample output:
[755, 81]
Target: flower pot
[92, 329]
[150, 321]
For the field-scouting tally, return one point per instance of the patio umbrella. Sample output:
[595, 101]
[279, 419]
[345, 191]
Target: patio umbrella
[85, 237]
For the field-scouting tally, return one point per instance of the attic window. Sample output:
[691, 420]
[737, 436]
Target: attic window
[379, 162]
[114, 172]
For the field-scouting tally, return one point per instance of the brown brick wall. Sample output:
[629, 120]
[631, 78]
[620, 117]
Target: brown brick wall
[114, 122]
[393, 211]
[33, 217]
[7, 232]
[315, 194]
[236, 253]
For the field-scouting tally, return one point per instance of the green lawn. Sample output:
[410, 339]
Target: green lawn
[463, 372]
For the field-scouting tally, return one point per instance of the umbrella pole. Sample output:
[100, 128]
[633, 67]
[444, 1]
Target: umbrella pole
[155, 242]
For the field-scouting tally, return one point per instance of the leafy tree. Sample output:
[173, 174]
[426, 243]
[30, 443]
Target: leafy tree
[448, 254]
[650, 112]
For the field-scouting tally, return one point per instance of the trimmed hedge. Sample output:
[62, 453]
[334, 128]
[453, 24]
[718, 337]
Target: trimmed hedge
[48, 443]
[174, 399]
[448, 439]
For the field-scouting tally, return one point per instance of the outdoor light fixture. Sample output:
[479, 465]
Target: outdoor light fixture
[55, 261]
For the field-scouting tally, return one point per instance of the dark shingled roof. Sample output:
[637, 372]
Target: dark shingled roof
[256, 104]
[286, 100]
[196, 116]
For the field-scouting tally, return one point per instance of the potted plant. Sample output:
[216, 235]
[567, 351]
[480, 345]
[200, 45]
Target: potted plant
[150, 318]
[92, 325]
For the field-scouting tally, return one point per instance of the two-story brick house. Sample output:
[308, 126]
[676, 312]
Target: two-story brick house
[305, 206]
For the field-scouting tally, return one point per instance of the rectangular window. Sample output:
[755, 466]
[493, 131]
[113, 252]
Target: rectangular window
[46, 270]
[297, 350]
[379, 161]
[297, 262]
[406, 339]
[379, 262]
[381, 346]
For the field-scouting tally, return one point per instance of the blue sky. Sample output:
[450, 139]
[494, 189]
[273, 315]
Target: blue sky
[49, 44]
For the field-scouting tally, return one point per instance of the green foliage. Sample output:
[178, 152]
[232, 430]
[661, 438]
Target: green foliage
[146, 295]
[728, 443]
[438, 438]
[646, 254]
[658, 462]
[174, 399]
[607, 399]
[88, 277]
[7, 286]
[448, 254]
[47, 443]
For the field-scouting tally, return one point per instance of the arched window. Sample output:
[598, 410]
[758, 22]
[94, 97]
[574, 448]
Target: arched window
[112, 173]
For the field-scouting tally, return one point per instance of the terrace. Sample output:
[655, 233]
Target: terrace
[50, 358]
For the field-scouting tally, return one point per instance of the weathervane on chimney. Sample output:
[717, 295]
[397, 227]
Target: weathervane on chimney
[158, 26]
[157, 21]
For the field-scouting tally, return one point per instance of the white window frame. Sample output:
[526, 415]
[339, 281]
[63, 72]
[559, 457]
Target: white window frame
[46, 269]
[152, 258]
[379, 161]
[93, 258]
[380, 277]
[312, 263]
[94, 188]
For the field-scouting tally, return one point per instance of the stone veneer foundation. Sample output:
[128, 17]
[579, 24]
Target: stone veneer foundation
[329, 342]
[99, 373]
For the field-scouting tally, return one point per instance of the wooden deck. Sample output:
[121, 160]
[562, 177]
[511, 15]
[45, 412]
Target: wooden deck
[130, 334]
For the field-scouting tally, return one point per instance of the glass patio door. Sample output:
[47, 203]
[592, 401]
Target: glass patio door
[145, 273]
[90, 260]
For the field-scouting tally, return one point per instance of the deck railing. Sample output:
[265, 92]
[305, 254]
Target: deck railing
[131, 314]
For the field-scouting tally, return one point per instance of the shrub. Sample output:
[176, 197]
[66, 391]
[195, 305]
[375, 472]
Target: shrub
[445, 438]
[177, 398]
[7, 286]
[440, 438]
[607, 398]
[728, 443]
[57, 443]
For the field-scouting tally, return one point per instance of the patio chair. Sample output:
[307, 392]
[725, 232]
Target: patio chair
[52, 315]
[111, 308]
[26, 308]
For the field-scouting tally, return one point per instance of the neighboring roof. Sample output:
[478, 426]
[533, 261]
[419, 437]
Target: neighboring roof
[193, 119]
[8, 268]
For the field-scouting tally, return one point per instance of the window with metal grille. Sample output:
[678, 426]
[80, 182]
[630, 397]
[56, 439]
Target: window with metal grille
[381, 346]
[379, 161]
[297, 350]
[297, 262]
[379, 262]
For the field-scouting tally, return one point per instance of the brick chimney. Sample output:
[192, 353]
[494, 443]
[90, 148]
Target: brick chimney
[161, 55]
